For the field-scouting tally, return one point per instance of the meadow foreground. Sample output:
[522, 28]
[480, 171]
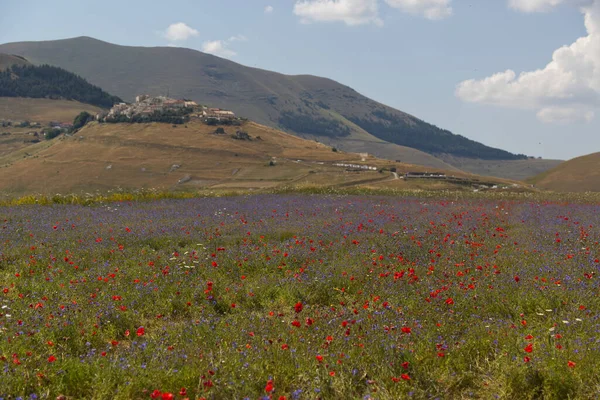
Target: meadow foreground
[300, 297]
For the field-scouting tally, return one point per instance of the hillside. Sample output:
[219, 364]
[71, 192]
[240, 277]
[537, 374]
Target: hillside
[42, 110]
[515, 169]
[48, 82]
[305, 105]
[581, 174]
[8, 60]
[133, 156]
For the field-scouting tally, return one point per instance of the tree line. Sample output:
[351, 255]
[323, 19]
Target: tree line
[50, 82]
[312, 124]
[169, 116]
[427, 137]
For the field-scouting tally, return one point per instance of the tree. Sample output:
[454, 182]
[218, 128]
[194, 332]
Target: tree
[45, 81]
[52, 133]
[81, 120]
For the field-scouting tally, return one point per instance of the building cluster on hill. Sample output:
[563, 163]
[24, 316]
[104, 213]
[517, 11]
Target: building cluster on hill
[147, 106]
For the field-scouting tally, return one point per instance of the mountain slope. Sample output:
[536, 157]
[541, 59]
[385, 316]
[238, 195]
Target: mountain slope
[42, 110]
[8, 60]
[581, 174]
[305, 105]
[53, 83]
[134, 156]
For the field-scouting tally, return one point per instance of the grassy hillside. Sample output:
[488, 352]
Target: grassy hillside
[515, 169]
[300, 104]
[132, 156]
[42, 110]
[8, 60]
[581, 174]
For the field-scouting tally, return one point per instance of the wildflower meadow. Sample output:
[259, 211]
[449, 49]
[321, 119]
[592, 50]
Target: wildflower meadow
[299, 296]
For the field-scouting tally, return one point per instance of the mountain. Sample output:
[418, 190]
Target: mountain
[581, 174]
[308, 106]
[48, 82]
[189, 157]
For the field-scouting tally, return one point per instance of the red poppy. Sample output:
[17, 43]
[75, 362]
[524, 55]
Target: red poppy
[167, 396]
[296, 323]
[526, 359]
[319, 358]
[182, 392]
[51, 359]
[528, 348]
[405, 377]
[449, 301]
[141, 331]
[571, 364]
[298, 307]
[269, 387]
[517, 279]
[156, 394]
[405, 365]
[331, 373]
[406, 329]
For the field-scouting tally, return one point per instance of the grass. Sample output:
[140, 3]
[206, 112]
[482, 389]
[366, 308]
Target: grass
[323, 293]
[511, 169]
[577, 175]
[141, 156]
[42, 110]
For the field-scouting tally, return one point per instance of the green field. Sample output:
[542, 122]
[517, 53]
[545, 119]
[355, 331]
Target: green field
[300, 296]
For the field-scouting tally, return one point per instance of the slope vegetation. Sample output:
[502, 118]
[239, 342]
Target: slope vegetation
[514, 169]
[53, 83]
[8, 60]
[581, 174]
[107, 156]
[304, 105]
[42, 110]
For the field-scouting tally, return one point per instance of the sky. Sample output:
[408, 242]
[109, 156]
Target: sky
[521, 75]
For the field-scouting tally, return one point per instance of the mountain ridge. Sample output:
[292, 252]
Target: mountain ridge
[290, 102]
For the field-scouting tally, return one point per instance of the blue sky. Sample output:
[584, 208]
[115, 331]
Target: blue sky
[441, 60]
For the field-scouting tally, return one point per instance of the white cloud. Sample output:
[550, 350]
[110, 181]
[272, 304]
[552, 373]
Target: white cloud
[534, 5]
[567, 88]
[180, 32]
[430, 9]
[218, 48]
[351, 12]
[269, 9]
[221, 47]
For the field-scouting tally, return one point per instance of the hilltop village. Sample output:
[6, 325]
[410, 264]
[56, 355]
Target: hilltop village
[147, 108]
